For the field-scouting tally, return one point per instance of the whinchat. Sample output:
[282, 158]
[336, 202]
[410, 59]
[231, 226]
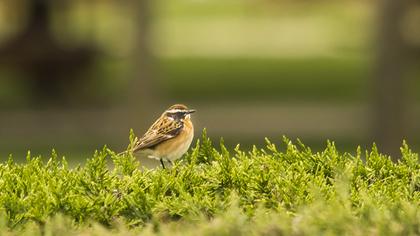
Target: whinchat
[169, 137]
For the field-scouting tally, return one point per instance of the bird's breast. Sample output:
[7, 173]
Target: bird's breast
[174, 148]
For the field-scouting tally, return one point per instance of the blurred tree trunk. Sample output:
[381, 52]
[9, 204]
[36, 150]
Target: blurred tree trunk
[143, 92]
[389, 78]
[48, 67]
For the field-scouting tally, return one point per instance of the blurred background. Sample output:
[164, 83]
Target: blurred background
[76, 75]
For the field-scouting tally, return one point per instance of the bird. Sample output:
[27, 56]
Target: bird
[169, 137]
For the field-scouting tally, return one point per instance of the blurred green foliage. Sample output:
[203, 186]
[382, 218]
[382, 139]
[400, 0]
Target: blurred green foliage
[264, 191]
[308, 79]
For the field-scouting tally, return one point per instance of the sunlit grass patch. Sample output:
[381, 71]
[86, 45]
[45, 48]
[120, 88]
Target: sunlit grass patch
[281, 189]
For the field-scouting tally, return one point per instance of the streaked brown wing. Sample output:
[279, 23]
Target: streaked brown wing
[163, 129]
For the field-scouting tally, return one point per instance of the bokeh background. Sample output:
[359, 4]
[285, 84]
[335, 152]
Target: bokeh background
[76, 75]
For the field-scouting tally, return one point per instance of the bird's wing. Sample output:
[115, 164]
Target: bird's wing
[163, 129]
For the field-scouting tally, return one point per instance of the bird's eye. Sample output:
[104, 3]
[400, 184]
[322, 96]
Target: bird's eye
[176, 115]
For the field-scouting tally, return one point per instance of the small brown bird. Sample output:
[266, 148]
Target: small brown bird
[169, 137]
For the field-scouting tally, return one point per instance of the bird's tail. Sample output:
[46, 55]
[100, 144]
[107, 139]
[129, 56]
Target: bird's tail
[131, 147]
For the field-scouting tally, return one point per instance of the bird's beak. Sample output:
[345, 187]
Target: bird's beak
[190, 111]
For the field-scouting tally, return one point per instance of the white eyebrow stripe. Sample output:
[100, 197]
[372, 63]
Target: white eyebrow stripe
[175, 110]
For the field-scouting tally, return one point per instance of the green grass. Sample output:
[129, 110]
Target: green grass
[285, 190]
[313, 79]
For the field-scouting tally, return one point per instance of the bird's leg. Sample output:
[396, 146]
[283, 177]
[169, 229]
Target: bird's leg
[170, 162]
[161, 162]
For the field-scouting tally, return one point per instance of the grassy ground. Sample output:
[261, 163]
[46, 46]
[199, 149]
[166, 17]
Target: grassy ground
[279, 190]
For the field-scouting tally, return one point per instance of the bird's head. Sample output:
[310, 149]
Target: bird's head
[179, 112]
